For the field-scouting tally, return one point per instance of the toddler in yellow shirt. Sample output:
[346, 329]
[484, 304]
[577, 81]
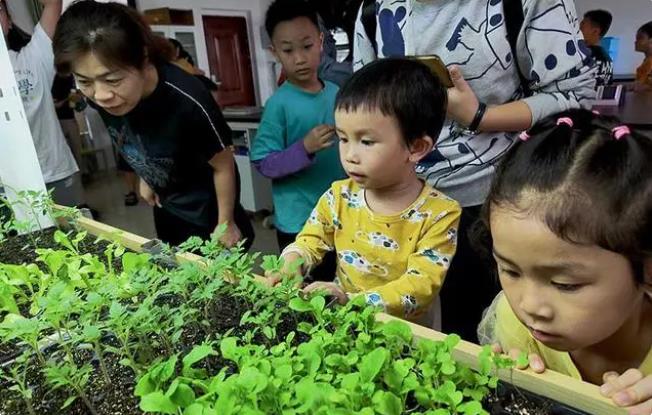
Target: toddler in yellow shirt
[394, 235]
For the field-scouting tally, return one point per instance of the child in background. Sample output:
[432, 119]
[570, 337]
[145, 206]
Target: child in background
[644, 45]
[594, 27]
[393, 234]
[33, 67]
[570, 215]
[294, 144]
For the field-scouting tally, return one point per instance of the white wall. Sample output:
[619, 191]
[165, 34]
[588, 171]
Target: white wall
[253, 10]
[628, 15]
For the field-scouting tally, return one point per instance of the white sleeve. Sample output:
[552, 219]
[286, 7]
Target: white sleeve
[38, 55]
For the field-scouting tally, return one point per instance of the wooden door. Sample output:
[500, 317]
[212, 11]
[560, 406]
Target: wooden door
[229, 59]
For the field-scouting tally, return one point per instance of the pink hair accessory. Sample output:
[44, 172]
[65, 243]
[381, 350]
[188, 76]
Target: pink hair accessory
[621, 131]
[565, 120]
[524, 136]
[596, 112]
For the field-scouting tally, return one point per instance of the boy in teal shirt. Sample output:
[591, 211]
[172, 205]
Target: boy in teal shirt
[294, 144]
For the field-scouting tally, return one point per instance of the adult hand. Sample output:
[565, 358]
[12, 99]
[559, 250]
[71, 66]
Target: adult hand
[231, 236]
[319, 138]
[329, 288]
[462, 101]
[632, 390]
[148, 195]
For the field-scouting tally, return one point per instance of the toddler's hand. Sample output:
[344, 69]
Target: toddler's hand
[631, 390]
[534, 361]
[319, 138]
[272, 278]
[329, 288]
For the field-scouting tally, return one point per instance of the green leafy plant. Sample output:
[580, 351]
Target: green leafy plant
[62, 374]
[17, 374]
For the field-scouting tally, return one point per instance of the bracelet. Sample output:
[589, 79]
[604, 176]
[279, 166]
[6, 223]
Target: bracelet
[479, 115]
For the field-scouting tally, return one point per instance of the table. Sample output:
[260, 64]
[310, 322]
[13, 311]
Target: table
[636, 110]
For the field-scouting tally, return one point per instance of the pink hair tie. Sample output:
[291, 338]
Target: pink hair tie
[524, 136]
[565, 120]
[596, 112]
[621, 131]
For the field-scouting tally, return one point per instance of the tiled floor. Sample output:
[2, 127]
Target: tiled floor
[106, 194]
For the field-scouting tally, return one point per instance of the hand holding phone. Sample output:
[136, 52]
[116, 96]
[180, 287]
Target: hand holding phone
[437, 67]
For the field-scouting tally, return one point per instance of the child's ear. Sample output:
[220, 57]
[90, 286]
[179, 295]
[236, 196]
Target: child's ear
[420, 148]
[321, 41]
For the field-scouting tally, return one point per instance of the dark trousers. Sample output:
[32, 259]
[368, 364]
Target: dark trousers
[322, 272]
[174, 230]
[471, 282]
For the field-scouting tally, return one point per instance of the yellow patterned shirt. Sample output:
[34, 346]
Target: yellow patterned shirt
[399, 261]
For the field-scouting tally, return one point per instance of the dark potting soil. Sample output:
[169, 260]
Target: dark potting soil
[114, 398]
[20, 249]
[510, 400]
[117, 397]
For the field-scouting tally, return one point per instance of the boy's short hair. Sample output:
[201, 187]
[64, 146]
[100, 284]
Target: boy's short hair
[646, 29]
[285, 10]
[400, 88]
[601, 18]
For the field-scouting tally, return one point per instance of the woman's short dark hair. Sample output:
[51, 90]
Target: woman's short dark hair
[586, 185]
[646, 29]
[115, 33]
[400, 88]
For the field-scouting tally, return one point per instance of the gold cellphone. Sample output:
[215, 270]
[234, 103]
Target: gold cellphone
[437, 67]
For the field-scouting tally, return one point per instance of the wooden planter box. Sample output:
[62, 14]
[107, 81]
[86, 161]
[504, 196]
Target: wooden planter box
[552, 385]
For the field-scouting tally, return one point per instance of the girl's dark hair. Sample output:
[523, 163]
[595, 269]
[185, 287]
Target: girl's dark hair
[400, 88]
[646, 28]
[586, 185]
[115, 33]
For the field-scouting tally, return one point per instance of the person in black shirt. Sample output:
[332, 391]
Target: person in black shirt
[594, 27]
[61, 93]
[163, 120]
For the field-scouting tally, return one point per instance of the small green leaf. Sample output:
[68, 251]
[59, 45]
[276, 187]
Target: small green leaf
[69, 401]
[372, 363]
[183, 395]
[318, 303]
[448, 368]
[197, 354]
[144, 386]
[158, 402]
[283, 372]
[452, 340]
[386, 403]
[229, 348]
[300, 305]
[194, 409]
[522, 360]
[396, 328]
[471, 408]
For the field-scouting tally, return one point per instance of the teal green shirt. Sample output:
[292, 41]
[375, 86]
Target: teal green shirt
[288, 117]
